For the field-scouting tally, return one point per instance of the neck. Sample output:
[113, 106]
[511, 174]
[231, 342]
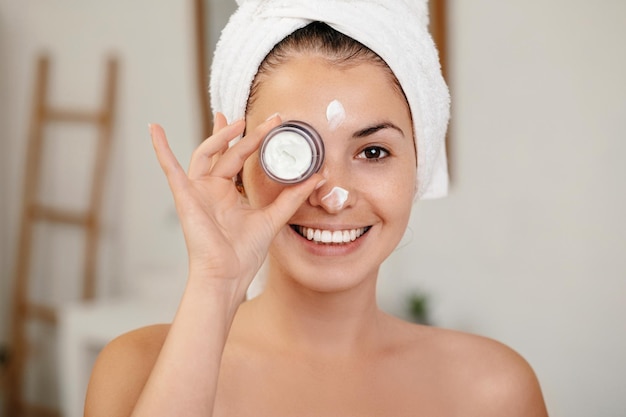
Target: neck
[327, 323]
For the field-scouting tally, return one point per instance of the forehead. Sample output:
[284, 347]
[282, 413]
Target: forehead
[306, 82]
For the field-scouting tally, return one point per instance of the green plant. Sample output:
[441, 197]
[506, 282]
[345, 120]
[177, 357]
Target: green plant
[418, 307]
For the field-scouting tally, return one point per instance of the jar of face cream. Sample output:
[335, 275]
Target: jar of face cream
[292, 152]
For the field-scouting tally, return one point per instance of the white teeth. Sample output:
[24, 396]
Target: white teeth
[330, 236]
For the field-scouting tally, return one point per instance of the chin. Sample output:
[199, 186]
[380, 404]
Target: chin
[326, 277]
[324, 267]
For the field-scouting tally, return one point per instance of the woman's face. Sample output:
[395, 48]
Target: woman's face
[370, 166]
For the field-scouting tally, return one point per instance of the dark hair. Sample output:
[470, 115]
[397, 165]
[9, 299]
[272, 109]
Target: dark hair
[320, 38]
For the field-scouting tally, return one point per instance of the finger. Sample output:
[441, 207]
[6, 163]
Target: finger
[289, 201]
[174, 173]
[231, 162]
[219, 123]
[201, 159]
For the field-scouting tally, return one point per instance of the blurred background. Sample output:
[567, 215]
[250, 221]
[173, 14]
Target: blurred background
[529, 248]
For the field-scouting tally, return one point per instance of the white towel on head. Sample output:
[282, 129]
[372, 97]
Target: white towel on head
[397, 30]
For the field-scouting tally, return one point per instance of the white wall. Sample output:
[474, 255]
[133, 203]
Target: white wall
[528, 248]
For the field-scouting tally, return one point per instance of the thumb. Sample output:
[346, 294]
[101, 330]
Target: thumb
[289, 200]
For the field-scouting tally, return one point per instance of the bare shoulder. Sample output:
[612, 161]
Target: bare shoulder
[503, 382]
[121, 371]
[487, 377]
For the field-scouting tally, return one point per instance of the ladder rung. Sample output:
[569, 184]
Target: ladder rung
[41, 312]
[74, 116]
[60, 216]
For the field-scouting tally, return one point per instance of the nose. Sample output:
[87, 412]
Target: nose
[336, 194]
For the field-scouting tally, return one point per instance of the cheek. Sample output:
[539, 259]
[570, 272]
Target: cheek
[399, 197]
[394, 193]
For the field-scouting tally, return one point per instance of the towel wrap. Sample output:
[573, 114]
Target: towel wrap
[397, 30]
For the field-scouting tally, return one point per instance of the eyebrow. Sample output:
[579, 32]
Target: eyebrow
[370, 130]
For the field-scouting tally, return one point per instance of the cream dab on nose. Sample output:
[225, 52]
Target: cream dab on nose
[336, 198]
[335, 114]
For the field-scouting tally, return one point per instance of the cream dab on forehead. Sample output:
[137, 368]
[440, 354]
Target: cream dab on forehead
[335, 114]
[336, 198]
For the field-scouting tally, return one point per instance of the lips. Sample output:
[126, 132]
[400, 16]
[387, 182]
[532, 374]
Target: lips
[323, 236]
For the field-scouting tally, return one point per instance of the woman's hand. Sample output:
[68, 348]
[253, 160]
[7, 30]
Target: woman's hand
[227, 240]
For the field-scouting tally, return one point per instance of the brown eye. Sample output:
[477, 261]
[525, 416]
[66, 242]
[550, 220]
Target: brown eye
[373, 153]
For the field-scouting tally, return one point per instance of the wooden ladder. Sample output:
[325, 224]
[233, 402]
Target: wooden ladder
[34, 211]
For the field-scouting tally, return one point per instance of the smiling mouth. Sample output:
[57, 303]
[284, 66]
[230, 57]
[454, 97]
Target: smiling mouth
[330, 236]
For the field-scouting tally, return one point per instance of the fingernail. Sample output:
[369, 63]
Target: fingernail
[319, 184]
[272, 116]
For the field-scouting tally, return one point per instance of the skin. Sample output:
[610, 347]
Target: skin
[314, 343]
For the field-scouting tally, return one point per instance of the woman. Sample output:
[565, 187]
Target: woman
[314, 342]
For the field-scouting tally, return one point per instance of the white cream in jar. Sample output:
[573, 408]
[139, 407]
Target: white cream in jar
[292, 152]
